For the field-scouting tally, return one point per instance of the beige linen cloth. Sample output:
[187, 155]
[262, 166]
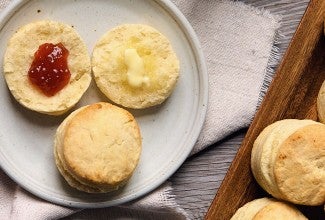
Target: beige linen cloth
[238, 43]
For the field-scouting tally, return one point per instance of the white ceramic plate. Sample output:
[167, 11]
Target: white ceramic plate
[169, 131]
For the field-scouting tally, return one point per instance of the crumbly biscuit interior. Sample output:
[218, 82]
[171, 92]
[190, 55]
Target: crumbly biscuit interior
[160, 63]
[20, 54]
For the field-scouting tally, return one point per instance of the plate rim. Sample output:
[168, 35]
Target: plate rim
[198, 121]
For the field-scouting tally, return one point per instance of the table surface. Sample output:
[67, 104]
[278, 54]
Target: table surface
[197, 181]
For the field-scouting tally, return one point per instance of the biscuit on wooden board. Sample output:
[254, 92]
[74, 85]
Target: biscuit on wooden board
[145, 51]
[267, 209]
[19, 56]
[288, 161]
[98, 147]
[279, 211]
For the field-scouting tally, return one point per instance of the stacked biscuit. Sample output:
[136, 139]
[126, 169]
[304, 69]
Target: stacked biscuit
[97, 147]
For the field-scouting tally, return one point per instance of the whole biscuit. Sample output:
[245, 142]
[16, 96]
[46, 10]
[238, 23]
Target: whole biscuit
[98, 148]
[279, 211]
[321, 103]
[160, 62]
[250, 209]
[267, 208]
[288, 161]
[20, 54]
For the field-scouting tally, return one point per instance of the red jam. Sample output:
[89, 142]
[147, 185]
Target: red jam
[49, 70]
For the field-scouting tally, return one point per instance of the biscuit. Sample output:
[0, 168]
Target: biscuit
[288, 161]
[250, 209]
[19, 56]
[267, 208]
[135, 66]
[321, 103]
[97, 148]
[280, 211]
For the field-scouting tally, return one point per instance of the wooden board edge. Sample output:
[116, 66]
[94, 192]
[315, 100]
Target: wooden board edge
[222, 203]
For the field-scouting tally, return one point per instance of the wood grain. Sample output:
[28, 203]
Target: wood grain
[292, 94]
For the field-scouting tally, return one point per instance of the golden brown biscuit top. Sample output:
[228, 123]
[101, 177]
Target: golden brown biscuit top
[279, 211]
[300, 166]
[250, 209]
[102, 144]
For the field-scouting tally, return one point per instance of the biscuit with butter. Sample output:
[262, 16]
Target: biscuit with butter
[321, 103]
[97, 148]
[19, 56]
[267, 209]
[135, 66]
[288, 161]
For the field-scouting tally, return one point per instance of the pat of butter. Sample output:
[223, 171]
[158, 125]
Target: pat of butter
[135, 68]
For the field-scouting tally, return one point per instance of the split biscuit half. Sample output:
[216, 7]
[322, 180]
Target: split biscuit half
[135, 66]
[19, 56]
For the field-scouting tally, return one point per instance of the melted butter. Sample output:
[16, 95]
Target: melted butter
[136, 76]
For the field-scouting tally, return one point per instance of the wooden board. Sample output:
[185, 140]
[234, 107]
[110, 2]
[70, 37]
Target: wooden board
[292, 94]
